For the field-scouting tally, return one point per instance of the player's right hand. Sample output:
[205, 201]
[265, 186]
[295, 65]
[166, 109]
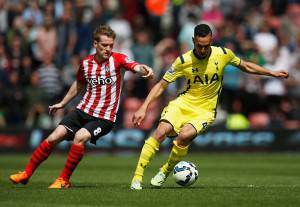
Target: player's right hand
[55, 107]
[280, 74]
[138, 116]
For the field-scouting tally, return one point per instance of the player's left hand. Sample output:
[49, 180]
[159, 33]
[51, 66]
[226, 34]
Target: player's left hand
[149, 72]
[55, 107]
[280, 74]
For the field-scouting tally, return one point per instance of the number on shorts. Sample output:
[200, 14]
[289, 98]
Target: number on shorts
[97, 131]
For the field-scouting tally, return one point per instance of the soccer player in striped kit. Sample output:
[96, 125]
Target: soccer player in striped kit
[100, 75]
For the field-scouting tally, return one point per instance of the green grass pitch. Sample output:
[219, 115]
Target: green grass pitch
[226, 179]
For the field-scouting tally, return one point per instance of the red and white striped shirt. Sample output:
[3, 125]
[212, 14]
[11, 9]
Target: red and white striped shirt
[103, 85]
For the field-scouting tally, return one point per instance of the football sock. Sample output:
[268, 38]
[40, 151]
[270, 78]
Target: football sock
[176, 155]
[148, 151]
[38, 156]
[74, 157]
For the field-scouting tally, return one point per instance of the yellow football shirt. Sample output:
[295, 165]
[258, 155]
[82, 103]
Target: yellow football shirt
[203, 77]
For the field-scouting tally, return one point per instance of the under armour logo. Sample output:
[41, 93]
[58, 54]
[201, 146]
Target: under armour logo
[171, 70]
[97, 131]
[194, 70]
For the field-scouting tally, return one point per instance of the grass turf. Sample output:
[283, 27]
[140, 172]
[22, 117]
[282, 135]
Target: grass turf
[226, 179]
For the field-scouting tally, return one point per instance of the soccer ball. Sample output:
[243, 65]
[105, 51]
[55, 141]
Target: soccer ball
[185, 173]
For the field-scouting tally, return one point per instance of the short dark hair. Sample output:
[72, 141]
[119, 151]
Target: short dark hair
[103, 30]
[202, 30]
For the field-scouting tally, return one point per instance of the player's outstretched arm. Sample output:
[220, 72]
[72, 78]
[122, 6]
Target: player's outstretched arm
[155, 92]
[144, 70]
[73, 91]
[253, 68]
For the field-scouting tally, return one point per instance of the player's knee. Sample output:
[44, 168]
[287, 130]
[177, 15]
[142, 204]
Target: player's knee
[159, 135]
[54, 138]
[184, 139]
[79, 139]
[162, 131]
[183, 142]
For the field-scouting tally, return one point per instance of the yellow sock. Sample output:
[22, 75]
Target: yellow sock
[176, 155]
[148, 151]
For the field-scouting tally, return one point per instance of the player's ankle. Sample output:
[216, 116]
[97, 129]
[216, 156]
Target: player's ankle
[137, 178]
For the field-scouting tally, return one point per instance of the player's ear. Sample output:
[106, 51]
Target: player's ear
[95, 43]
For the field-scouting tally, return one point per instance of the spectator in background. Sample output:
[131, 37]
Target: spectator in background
[236, 119]
[122, 27]
[3, 16]
[266, 41]
[143, 48]
[46, 40]
[49, 9]
[37, 116]
[67, 35]
[49, 76]
[14, 37]
[189, 9]
[14, 100]
[2, 117]
[5, 65]
[135, 86]
[83, 31]
[33, 13]
[293, 84]
[25, 70]
[17, 51]
[212, 13]
[70, 70]
[259, 120]
[186, 43]
[165, 54]
[291, 108]
[98, 16]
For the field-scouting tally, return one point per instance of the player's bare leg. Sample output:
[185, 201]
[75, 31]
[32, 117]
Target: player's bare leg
[179, 150]
[39, 155]
[149, 149]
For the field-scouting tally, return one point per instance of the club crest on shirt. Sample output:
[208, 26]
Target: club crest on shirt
[107, 67]
[216, 64]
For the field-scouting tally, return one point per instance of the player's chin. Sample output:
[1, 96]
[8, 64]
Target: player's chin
[106, 55]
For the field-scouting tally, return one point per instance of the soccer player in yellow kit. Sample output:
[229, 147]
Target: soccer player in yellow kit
[194, 109]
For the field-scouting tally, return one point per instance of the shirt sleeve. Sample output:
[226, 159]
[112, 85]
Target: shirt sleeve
[233, 60]
[80, 74]
[174, 71]
[126, 62]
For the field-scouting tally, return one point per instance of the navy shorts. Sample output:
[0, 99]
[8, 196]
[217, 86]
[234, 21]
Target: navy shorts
[78, 119]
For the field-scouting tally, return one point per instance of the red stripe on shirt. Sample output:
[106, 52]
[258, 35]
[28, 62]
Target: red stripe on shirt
[89, 87]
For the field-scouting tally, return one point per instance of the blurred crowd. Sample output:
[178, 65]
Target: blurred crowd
[43, 41]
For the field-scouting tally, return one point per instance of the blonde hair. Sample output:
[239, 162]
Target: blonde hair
[103, 30]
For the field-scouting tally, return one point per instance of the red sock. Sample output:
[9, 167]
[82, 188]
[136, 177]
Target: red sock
[38, 156]
[74, 157]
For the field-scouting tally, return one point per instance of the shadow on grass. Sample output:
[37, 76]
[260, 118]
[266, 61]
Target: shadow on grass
[88, 185]
[197, 187]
